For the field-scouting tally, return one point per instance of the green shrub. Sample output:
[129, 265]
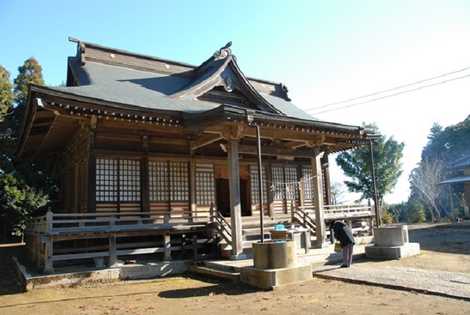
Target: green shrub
[18, 203]
[416, 212]
[387, 217]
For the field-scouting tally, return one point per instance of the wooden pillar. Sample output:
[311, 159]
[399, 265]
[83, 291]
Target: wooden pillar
[112, 250]
[317, 189]
[76, 188]
[300, 186]
[195, 251]
[466, 198]
[327, 181]
[91, 180]
[144, 177]
[235, 202]
[192, 189]
[166, 247]
[270, 195]
[48, 253]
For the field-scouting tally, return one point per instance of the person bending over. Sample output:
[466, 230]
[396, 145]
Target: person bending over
[343, 233]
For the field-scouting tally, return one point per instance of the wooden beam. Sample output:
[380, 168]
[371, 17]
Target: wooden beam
[204, 140]
[293, 145]
[276, 151]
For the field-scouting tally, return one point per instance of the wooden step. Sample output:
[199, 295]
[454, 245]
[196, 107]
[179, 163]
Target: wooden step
[215, 273]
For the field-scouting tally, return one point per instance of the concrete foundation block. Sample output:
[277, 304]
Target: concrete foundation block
[392, 252]
[391, 235]
[152, 270]
[271, 278]
[274, 254]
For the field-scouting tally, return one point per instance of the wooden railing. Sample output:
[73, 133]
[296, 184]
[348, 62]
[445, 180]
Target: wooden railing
[305, 218]
[53, 227]
[224, 227]
[110, 221]
[346, 211]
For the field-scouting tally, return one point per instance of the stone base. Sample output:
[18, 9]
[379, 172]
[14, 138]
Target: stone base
[392, 252]
[241, 256]
[153, 270]
[271, 278]
[147, 270]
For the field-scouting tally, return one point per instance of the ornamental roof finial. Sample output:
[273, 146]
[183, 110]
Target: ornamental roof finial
[223, 52]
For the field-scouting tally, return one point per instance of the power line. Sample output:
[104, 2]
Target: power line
[392, 95]
[388, 90]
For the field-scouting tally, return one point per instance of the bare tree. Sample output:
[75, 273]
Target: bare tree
[425, 181]
[338, 192]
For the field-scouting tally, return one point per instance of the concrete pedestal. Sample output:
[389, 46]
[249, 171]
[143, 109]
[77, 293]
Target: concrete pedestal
[392, 252]
[271, 278]
[392, 242]
[274, 254]
[275, 264]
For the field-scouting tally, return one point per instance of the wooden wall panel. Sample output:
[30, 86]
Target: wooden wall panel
[255, 206]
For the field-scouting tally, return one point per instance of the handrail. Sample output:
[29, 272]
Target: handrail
[224, 227]
[304, 218]
[347, 211]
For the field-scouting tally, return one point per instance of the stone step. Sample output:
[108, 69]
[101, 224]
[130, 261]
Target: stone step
[257, 230]
[215, 273]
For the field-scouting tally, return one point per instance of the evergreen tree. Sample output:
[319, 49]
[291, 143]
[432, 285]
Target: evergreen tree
[6, 93]
[448, 144]
[25, 186]
[29, 72]
[415, 212]
[356, 164]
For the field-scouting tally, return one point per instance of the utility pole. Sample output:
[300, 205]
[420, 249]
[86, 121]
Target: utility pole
[378, 221]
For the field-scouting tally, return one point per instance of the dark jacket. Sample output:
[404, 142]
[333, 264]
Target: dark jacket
[341, 232]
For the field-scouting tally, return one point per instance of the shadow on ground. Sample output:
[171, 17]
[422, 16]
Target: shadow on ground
[217, 287]
[9, 282]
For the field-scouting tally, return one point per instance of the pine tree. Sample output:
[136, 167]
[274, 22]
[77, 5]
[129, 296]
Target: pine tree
[29, 72]
[6, 93]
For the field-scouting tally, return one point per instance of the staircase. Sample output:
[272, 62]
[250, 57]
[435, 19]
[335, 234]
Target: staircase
[216, 271]
[251, 229]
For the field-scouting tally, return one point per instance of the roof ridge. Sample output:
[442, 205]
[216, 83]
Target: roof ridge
[155, 58]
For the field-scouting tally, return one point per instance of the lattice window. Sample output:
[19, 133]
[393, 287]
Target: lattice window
[129, 180]
[117, 180]
[307, 182]
[254, 185]
[106, 180]
[278, 185]
[205, 190]
[292, 186]
[158, 181]
[179, 181]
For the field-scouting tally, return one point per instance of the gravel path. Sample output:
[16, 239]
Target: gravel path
[450, 284]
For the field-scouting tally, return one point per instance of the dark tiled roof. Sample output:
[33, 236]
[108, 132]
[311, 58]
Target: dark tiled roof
[149, 89]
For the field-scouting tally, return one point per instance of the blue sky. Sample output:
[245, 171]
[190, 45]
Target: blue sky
[323, 51]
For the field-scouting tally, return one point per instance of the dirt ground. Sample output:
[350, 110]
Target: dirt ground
[445, 248]
[191, 296]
